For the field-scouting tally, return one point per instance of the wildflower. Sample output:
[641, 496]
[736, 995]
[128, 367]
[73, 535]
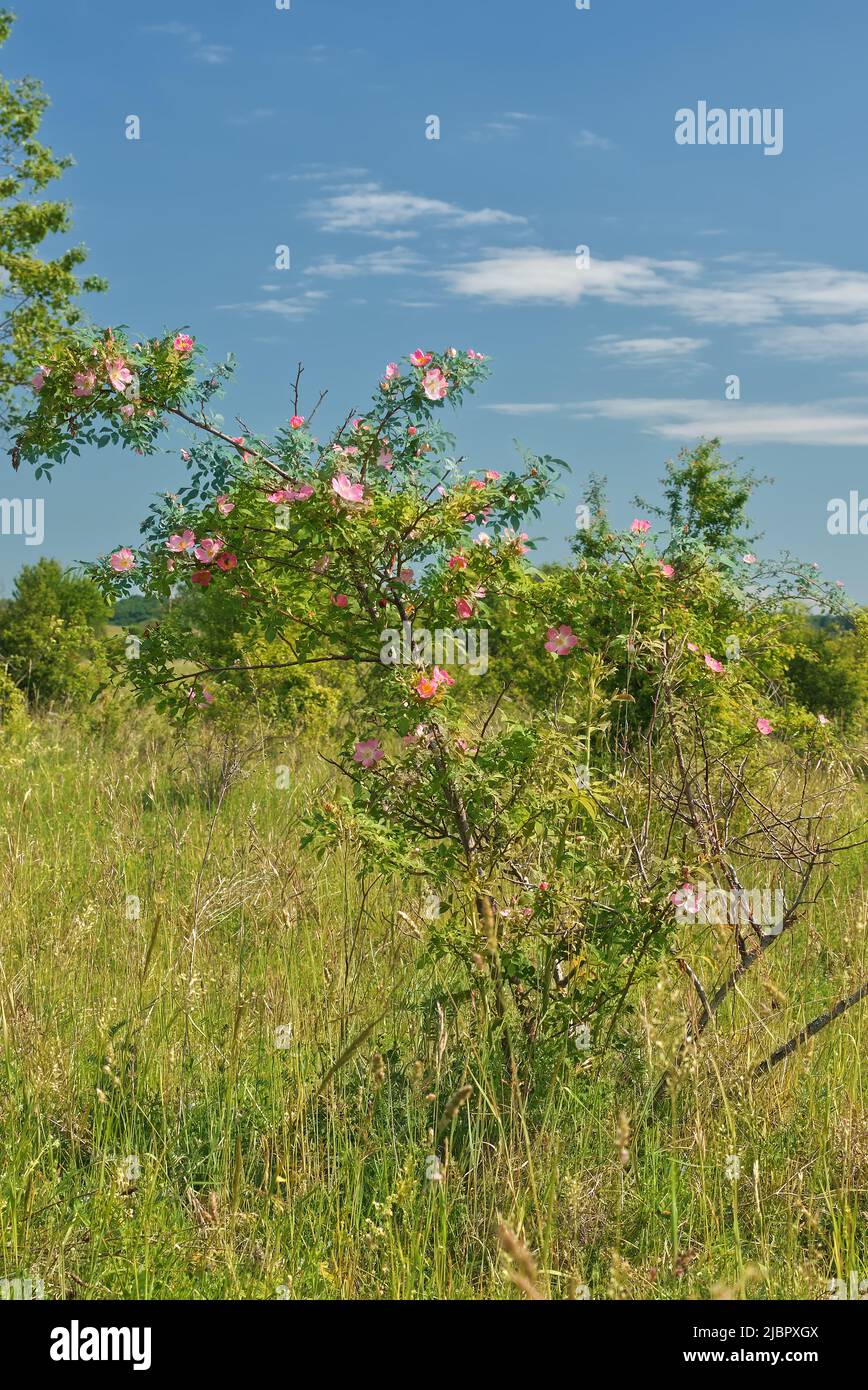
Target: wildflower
[667, 571]
[83, 383]
[347, 491]
[434, 384]
[763, 727]
[227, 561]
[340, 600]
[463, 608]
[420, 358]
[560, 640]
[118, 373]
[639, 527]
[122, 560]
[208, 549]
[368, 752]
[713, 664]
[457, 562]
[223, 504]
[37, 381]
[749, 558]
[296, 422]
[201, 577]
[183, 342]
[685, 897]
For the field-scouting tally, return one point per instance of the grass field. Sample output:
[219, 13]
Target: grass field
[233, 1090]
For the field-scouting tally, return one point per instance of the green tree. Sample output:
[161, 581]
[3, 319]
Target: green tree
[707, 498]
[51, 634]
[38, 296]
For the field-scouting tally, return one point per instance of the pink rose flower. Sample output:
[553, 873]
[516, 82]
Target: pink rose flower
[457, 562]
[667, 571]
[713, 664]
[463, 608]
[368, 752]
[202, 577]
[208, 549]
[763, 727]
[347, 491]
[180, 543]
[227, 560]
[560, 640]
[639, 527]
[37, 381]
[434, 384]
[685, 897]
[183, 342]
[749, 558]
[83, 383]
[296, 422]
[340, 600]
[118, 373]
[223, 504]
[122, 560]
[420, 358]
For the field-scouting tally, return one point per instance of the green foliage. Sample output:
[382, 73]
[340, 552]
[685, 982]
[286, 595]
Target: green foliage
[132, 612]
[39, 295]
[51, 635]
[508, 790]
[829, 668]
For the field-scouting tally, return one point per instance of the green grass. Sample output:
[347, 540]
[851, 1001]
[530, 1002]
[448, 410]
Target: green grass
[259, 1173]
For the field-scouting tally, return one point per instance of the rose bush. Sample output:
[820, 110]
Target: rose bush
[520, 802]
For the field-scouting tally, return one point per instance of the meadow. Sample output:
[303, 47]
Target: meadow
[233, 1070]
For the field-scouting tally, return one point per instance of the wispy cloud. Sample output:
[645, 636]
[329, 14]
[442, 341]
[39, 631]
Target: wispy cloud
[645, 350]
[724, 293]
[533, 275]
[836, 423]
[587, 140]
[503, 127]
[298, 308]
[369, 208]
[254, 117]
[202, 51]
[327, 174]
[396, 260]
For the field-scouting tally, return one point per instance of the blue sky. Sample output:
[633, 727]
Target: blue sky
[307, 128]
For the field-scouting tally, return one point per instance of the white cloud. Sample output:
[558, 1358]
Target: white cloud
[284, 308]
[396, 260]
[587, 140]
[812, 341]
[211, 53]
[827, 423]
[371, 209]
[642, 350]
[534, 275]
[725, 293]
[503, 127]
